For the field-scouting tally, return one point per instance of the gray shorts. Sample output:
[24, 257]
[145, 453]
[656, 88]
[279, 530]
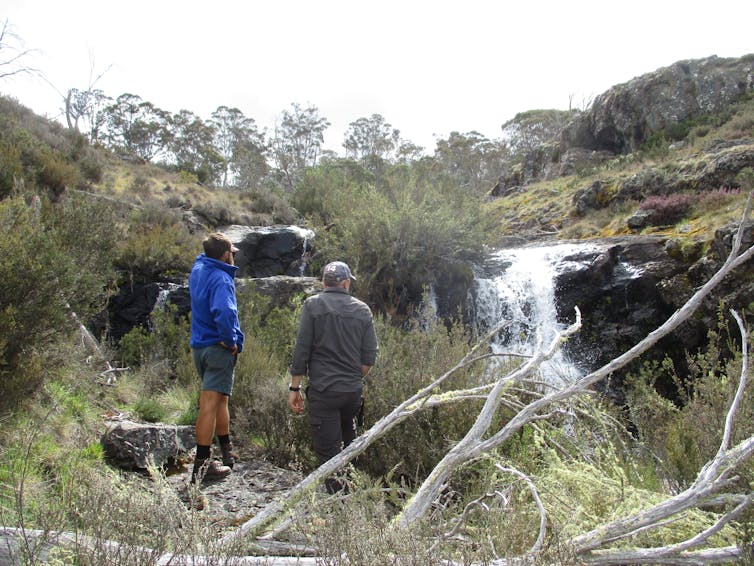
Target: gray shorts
[215, 365]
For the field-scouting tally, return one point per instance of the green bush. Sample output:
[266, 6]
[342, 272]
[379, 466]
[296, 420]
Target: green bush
[11, 168]
[408, 360]
[91, 168]
[402, 236]
[53, 261]
[56, 173]
[137, 347]
[157, 243]
[686, 434]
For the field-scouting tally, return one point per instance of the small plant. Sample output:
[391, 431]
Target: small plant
[667, 209]
[712, 200]
[149, 409]
[140, 185]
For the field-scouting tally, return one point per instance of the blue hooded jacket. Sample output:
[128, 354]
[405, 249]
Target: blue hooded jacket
[214, 311]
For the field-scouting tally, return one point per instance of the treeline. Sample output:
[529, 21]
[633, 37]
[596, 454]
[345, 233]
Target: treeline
[230, 150]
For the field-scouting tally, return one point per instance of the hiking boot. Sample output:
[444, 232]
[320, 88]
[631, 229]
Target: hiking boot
[214, 470]
[229, 457]
[209, 470]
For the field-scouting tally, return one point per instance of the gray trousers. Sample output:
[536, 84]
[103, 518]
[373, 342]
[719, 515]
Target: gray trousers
[331, 419]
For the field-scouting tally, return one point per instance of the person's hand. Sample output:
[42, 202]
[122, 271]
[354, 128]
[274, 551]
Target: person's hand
[296, 402]
[233, 350]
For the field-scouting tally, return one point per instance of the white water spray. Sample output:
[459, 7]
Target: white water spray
[519, 286]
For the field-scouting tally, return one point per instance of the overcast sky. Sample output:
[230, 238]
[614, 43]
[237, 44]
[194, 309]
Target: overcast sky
[428, 67]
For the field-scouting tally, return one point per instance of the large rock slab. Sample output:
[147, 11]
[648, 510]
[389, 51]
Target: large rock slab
[626, 115]
[140, 446]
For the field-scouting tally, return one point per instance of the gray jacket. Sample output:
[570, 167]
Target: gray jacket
[335, 338]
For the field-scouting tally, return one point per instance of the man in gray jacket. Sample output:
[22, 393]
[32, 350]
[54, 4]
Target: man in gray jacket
[336, 346]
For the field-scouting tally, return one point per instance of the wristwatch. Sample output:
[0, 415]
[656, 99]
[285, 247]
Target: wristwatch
[291, 388]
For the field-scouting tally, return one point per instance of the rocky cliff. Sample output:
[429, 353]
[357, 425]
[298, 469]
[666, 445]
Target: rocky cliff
[622, 119]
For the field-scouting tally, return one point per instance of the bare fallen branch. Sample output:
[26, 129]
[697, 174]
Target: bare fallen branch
[712, 478]
[540, 506]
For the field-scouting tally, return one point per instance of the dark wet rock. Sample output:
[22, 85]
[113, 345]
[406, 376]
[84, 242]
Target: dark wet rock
[271, 250]
[130, 307]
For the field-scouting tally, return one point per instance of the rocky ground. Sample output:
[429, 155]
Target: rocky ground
[233, 500]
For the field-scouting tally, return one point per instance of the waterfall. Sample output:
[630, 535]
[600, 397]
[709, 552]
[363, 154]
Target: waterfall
[428, 307]
[306, 237]
[519, 285]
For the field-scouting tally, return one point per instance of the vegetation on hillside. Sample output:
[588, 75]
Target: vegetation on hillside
[127, 191]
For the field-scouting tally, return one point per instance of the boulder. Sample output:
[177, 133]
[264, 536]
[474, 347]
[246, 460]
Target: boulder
[640, 219]
[130, 307]
[271, 250]
[139, 446]
[626, 115]
[618, 289]
[281, 289]
[631, 285]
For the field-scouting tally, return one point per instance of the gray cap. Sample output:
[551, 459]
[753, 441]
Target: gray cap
[335, 272]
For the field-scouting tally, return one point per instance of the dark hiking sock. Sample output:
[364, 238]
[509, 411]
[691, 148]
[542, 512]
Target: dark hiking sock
[202, 455]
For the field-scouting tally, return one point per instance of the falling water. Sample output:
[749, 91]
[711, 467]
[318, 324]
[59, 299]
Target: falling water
[428, 307]
[306, 236]
[519, 286]
[162, 297]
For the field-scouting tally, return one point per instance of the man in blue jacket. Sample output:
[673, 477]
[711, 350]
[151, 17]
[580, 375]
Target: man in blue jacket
[216, 341]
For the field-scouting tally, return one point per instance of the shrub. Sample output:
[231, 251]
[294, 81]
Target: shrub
[408, 360]
[91, 168]
[402, 236]
[51, 263]
[149, 409]
[140, 185]
[136, 347]
[686, 434]
[158, 243]
[745, 178]
[718, 198]
[11, 168]
[56, 173]
[667, 209]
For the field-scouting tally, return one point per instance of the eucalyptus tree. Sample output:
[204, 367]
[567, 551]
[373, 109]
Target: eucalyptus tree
[192, 147]
[530, 129]
[241, 145]
[471, 160]
[369, 138]
[138, 127]
[87, 107]
[297, 143]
